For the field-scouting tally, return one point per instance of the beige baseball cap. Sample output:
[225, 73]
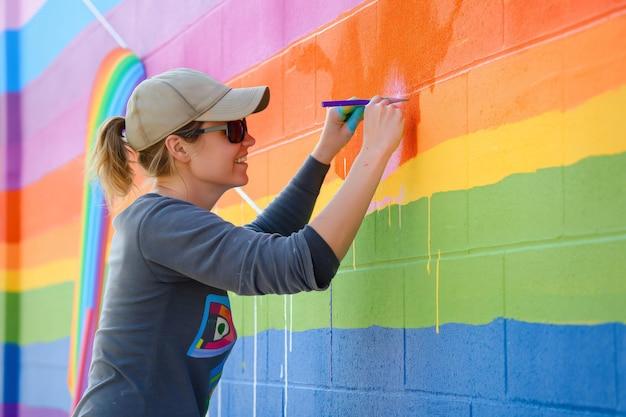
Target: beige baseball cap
[162, 104]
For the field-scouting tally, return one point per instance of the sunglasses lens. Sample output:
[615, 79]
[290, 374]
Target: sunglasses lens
[237, 130]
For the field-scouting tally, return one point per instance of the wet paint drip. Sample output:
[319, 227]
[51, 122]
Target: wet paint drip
[437, 293]
[219, 401]
[428, 264]
[290, 322]
[354, 255]
[286, 360]
[389, 215]
[399, 216]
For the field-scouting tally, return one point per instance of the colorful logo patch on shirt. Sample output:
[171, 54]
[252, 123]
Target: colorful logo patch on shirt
[217, 333]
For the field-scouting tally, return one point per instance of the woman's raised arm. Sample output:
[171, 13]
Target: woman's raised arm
[339, 222]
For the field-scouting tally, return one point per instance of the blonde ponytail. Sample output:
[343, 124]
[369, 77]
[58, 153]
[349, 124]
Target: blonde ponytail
[110, 159]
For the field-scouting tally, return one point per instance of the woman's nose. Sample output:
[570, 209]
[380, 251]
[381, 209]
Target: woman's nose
[248, 141]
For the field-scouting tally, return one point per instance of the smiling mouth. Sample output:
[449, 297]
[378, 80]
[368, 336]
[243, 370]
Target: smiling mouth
[241, 160]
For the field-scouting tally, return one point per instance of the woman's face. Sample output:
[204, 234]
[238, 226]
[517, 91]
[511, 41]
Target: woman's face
[214, 159]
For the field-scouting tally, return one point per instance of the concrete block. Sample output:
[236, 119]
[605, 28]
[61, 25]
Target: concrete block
[521, 208]
[620, 350]
[310, 401]
[337, 50]
[528, 20]
[308, 361]
[594, 197]
[299, 79]
[449, 221]
[368, 358]
[527, 410]
[266, 126]
[568, 365]
[582, 283]
[461, 359]
[534, 84]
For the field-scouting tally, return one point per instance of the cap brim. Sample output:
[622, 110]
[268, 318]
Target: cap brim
[237, 104]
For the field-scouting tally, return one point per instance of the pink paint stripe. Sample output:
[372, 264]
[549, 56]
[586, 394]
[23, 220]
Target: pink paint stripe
[72, 73]
[19, 13]
[52, 104]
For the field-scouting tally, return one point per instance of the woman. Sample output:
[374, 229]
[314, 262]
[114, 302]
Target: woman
[165, 329]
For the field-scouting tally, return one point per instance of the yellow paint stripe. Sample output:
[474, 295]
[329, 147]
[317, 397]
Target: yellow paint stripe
[485, 157]
[57, 272]
[480, 158]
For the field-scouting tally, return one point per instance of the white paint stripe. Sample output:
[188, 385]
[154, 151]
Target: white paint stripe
[248, 200]
[107, 26]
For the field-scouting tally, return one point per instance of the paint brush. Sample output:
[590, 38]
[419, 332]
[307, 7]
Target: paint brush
[359, 102]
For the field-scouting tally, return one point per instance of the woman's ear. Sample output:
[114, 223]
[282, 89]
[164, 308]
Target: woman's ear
[178, 148]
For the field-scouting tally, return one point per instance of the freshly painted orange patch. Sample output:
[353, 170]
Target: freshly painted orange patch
[267, 126]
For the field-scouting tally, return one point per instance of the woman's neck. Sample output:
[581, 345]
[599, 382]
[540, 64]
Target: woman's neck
[202, 195]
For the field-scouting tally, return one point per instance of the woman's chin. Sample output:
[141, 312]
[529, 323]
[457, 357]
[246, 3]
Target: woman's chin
[241, 181]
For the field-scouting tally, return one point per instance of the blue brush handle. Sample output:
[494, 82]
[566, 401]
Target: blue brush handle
[357, 102]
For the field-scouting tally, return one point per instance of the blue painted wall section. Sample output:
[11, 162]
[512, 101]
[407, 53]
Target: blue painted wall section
[504, 368]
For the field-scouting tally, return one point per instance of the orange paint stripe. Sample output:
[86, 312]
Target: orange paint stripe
[554, 75]
[56, 243]
[54, 200]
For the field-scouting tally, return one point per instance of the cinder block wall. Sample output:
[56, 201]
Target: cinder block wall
[488, 276]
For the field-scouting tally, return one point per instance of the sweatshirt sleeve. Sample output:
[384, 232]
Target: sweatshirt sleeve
[292, 209]
[202, 246]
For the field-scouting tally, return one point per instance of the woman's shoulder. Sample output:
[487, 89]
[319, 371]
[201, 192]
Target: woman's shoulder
[151, 204]
[155, 211]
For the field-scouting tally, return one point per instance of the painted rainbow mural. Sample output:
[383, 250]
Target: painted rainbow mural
[118, 75]
[487, 278]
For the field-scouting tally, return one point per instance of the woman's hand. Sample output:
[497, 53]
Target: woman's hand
[384, 126]
[339, 127]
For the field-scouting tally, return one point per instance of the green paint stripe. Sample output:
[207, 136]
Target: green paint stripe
[45, 314]
[545, 247]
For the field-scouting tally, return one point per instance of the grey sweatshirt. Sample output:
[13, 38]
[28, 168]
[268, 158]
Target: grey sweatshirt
[166, 327]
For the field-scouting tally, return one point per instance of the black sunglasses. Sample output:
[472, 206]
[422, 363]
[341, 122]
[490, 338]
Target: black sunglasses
[235, 130]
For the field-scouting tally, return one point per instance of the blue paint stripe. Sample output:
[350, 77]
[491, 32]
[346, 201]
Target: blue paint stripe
[553, 370]
[504, 363]
[10, 373]
[41, 369]
[38, 43]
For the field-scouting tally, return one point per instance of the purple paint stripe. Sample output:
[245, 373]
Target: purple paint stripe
[19, 410]
[14, 144]
[51, 148]
[51, 104]
[263, 29]
[3, 133]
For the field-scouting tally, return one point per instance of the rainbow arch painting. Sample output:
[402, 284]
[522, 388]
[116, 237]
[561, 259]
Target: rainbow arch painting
[119, 73]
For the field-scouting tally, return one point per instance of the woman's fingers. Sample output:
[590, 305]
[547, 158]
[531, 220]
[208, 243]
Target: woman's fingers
[355, 118]
[345, 111]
